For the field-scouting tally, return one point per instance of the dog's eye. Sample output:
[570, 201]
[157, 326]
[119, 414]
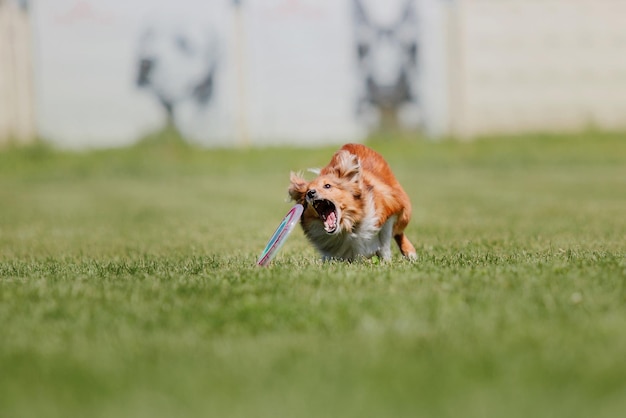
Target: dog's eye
[327, 186]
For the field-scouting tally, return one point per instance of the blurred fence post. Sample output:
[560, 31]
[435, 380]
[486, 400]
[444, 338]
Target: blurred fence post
[243, 138]
[456, 56]
[17, 104]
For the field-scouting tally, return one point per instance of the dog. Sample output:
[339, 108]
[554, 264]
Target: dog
[354, 207]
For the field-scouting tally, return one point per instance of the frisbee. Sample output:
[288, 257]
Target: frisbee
[280, 235]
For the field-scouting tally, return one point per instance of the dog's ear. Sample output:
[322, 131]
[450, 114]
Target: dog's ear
[347, 166]
[297, 188]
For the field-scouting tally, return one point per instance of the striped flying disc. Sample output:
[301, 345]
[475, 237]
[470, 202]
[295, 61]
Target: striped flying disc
[280, 235]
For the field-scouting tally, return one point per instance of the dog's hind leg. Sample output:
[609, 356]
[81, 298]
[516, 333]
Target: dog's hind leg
[406, 248]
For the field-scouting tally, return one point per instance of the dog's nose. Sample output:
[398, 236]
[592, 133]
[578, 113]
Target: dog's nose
[311, 193]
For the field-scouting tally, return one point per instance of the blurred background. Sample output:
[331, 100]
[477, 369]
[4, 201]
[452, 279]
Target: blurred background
[104, 73]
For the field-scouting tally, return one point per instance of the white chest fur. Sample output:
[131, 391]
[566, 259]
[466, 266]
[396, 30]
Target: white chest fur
[366, 240]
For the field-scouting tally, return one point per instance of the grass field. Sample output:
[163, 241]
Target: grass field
[128, 286]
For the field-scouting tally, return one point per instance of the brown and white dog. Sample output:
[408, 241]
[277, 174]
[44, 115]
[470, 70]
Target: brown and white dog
[354, 207]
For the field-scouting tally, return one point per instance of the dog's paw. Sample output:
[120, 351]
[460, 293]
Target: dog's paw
[384, 254]
[412, 257]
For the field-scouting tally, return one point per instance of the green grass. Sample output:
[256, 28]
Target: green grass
[128, 286]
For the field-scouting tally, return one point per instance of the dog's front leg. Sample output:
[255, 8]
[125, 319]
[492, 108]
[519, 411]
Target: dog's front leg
[384, 236]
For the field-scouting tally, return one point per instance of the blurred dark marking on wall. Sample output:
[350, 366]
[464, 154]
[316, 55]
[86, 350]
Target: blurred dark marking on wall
[388, 58]
[177, 65]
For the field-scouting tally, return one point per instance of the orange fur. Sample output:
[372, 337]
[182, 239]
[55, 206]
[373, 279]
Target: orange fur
[354, 207]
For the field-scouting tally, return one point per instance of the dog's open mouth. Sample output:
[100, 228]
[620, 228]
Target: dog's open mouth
[328, 213]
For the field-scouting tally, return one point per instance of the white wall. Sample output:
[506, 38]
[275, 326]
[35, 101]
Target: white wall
[300, 72]
[87, 67]
[287, 72]
[537, 65]
[296, 78]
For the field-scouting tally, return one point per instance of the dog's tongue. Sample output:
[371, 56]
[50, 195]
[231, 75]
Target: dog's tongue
[331, 222]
